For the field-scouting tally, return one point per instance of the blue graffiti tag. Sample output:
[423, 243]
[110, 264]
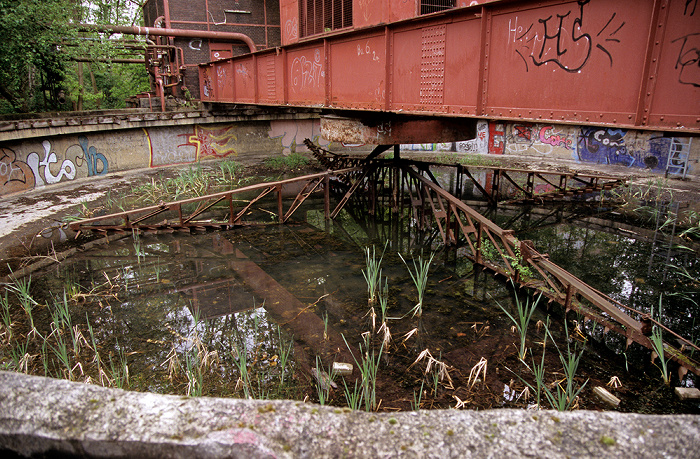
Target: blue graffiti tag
[92, 157]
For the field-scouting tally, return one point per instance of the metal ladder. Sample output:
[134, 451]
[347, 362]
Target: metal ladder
[678, 154]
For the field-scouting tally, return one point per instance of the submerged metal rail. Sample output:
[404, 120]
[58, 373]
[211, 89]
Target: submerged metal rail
[183, 214]
[479, 239]
[486, 244]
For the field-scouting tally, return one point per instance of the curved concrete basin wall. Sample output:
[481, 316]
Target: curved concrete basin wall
[42, 416]
[50, 156]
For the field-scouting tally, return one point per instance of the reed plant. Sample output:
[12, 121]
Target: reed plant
[324, 382]
[118, 368]
[524, 310]
[368, 366]
[566, 397]
[415, 405]
[21, 287]
[373, 273]
[6, 316]
[283, 357]
[657, 344]
[193, 371]
[419, 275]
[240, 358]
[353, 397]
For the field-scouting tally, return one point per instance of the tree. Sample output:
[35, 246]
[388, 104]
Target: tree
[38, 56]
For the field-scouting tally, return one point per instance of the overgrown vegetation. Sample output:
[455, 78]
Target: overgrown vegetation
[41, 64]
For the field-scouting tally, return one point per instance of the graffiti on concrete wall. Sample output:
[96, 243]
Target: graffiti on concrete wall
[42, 168]
[477, 145]
[165, 149]
[292, 134]
[97, 163]
[48, 166]
[212, 142]
[15, 175]
[496, 138]
[445, 146]
[538, 139]
[617, 146]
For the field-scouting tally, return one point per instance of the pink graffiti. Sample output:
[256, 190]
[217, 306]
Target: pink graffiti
[306, 73]
[554, 140]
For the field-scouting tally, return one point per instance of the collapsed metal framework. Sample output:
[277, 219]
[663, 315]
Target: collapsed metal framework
[191, 214]
[406, 184]
[498, 250]
[531, 185]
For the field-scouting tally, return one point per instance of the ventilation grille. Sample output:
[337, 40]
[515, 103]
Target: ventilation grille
[319, 16]
[434, 6]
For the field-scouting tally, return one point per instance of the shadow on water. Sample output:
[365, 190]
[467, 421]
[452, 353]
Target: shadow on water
[264, 311]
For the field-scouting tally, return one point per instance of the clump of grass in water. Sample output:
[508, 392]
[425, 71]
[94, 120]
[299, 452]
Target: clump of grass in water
[565, 397]
[368, 366]
[21, 288]
[291, 161]
[324, 381]
[419, 275]
[657, 344]
[6, 316]
[524, 310]
[373, 273]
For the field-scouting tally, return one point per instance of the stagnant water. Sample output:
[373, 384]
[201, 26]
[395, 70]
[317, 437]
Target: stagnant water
[264, 311]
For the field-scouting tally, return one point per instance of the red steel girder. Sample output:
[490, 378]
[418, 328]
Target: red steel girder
[619, 63]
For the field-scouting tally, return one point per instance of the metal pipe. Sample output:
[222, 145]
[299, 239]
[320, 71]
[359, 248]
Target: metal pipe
[147, 31]
[116, 61]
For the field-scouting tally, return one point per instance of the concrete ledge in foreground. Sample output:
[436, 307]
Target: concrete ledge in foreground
[41, 416]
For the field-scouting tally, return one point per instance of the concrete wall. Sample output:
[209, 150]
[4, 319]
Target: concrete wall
[45, 161]
[41, 161]
[583, 144]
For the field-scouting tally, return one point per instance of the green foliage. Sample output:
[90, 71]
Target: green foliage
[524, 310]
[38, 71]
[292, 161]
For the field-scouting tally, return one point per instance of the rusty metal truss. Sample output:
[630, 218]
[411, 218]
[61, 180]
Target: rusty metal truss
[499, 251]
[408, 184]
[198, 214]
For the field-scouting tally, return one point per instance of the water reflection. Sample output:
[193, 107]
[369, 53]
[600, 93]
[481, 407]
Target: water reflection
[246, 312]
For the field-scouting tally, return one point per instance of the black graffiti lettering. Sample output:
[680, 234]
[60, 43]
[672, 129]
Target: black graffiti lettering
[557, 34]
[689, 59]
[687, 4]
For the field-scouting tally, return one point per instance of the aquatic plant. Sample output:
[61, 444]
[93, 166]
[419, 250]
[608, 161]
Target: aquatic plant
[324, 381]
[415, 405]
[518, 263]
[21, 287]
[291, 161]
[6, 316]
[353, 397]
[373, 273]
[524, 311]
[419, 275]
[119, 369]
[477, 370]
[368, 366]
[284, 354]
[657, 344]
[564, 397]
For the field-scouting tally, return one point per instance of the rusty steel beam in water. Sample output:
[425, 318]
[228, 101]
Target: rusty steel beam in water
[138, 219]
[501, 252]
